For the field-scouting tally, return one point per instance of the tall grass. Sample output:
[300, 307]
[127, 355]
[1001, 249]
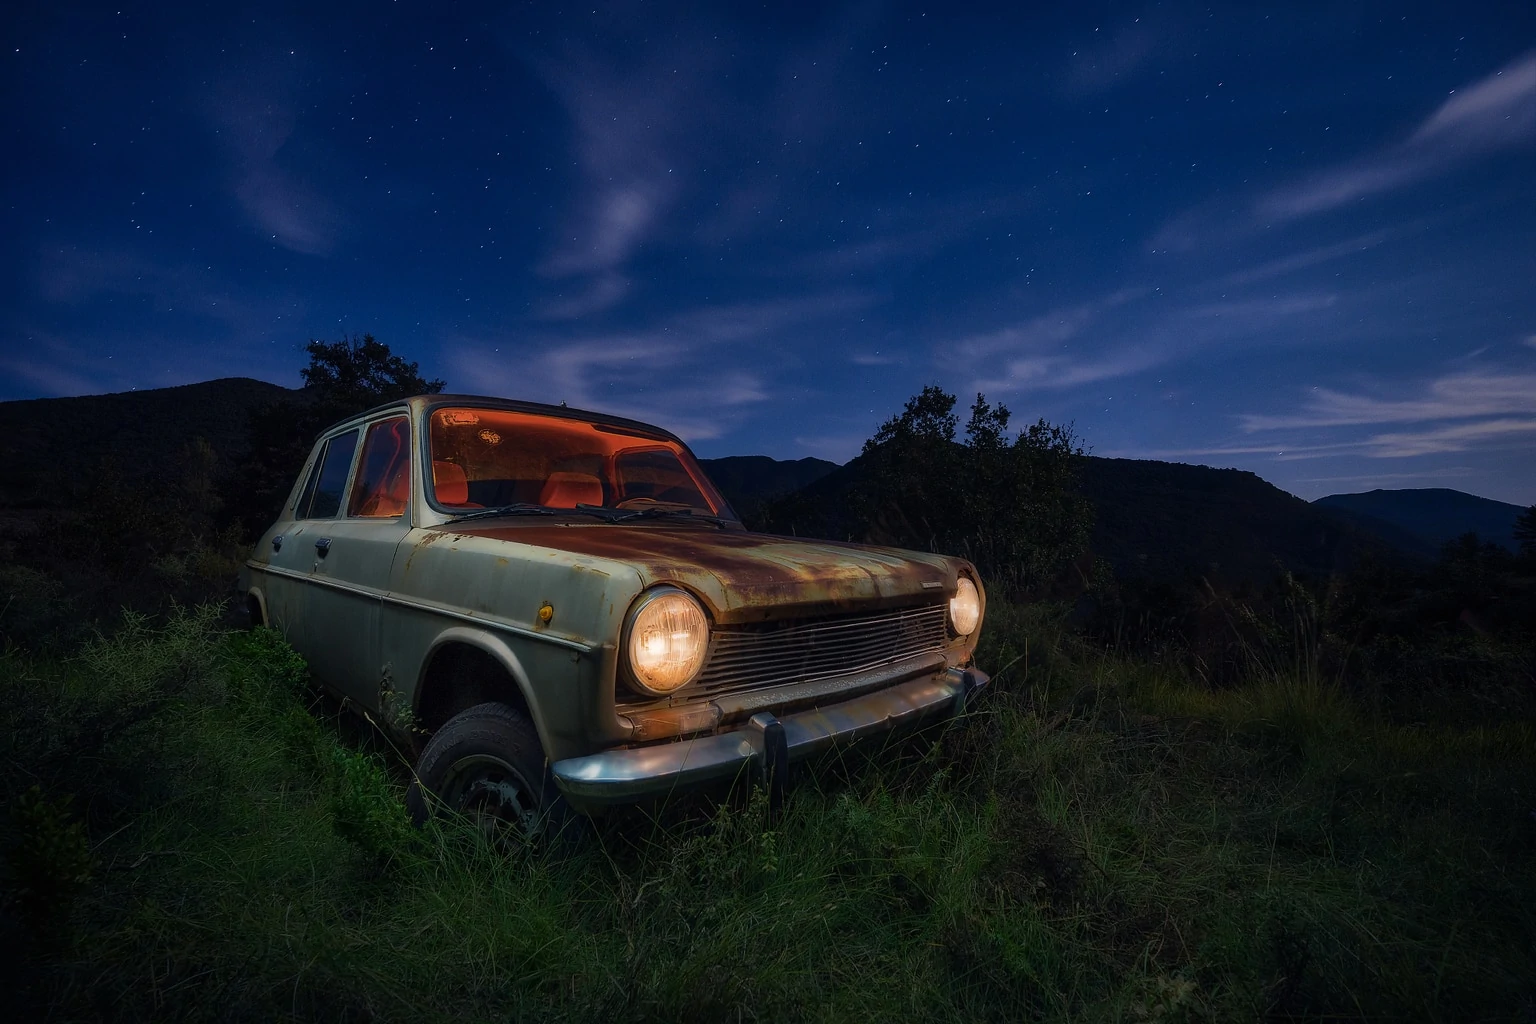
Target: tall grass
[1099, 839]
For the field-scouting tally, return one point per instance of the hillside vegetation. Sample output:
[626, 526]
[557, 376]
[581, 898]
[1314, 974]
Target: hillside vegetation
[53, 448]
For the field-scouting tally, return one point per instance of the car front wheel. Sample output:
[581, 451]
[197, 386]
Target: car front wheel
[487, 763]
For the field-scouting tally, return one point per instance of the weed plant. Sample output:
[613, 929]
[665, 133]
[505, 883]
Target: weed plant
[1101, 838]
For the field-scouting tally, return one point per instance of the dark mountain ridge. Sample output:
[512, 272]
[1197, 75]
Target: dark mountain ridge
[1431, 516]
[749, 480]
[49, 447]
[1167, 519]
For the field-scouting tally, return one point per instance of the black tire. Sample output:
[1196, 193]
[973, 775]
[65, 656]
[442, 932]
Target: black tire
[487, 762]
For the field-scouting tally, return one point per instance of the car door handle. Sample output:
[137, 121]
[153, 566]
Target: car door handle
[323, 546]
[277, 543]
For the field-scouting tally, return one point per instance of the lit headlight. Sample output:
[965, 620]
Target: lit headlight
[965, 608]
[668, 637]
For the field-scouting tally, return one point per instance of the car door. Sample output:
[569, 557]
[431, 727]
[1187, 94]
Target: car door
[284, 562]
[354, 552]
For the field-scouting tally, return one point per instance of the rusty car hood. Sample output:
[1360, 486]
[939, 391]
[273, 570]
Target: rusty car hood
[745, 576]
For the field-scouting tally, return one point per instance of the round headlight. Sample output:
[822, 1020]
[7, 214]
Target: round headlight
[965, 608]
[668, 637]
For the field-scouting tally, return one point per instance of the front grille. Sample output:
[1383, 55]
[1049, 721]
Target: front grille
[770, 654]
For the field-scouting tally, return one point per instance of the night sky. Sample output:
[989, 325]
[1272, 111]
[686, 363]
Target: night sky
[1296, 239]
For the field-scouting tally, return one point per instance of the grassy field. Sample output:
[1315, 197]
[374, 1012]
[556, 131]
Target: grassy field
[1100, 839]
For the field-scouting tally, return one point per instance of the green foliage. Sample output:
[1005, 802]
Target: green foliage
[281, 667]
[366, 806]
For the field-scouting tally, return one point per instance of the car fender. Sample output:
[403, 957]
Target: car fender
[498, 649]
[255, 593]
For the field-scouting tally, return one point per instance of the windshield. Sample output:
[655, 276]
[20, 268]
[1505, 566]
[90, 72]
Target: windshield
[489, 458]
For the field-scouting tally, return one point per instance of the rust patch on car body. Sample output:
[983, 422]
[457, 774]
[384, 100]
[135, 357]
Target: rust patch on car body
[745, 577]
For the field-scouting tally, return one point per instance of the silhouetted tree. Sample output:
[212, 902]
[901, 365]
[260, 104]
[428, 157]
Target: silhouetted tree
[361, 373]
[342, 379]
[1009, 503]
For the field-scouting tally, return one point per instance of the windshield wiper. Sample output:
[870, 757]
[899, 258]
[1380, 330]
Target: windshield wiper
[658, 513]
[603, 512]
[517, 508]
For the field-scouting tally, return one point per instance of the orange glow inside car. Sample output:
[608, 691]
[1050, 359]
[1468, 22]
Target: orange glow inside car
[492, 457]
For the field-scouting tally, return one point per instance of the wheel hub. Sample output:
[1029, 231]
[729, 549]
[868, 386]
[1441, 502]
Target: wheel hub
[491, 793]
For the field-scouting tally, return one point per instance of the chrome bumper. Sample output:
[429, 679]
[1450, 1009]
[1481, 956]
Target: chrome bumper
[764, 746]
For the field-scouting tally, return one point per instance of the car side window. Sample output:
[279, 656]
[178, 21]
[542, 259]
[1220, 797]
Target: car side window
[322, 497]
[383, 482]
[308, 493]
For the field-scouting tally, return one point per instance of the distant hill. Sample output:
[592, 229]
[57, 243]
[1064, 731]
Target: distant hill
[1163, 520]
[1429, 515]
[748, 480]
[49, 445]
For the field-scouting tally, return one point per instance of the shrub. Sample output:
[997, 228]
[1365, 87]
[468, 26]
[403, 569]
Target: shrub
[366, 806]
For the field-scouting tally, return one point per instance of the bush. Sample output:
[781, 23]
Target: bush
[366, 806]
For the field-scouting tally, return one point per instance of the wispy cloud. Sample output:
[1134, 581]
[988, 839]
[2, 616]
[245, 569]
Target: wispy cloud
[254, 115]
[1307, 259]
[909, 230]
[877, 358]
[684, 373]
[590, 296]
[638, 376]
[631, 124]
[1458, 437]
[1049, 329]
[1120, 335]
[1276, 451]
[1494, 113]
[1454, 438]
[49, 368]
[289, 212]
[1247, 311]
[68, 274]
[1366, 481]
[1460, 396]
[203, 324]
[40, 362]
[1066, 371]
[1103, 65]
[1472, 411]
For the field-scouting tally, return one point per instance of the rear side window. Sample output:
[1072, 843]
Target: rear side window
[383, 482]
[322, 495]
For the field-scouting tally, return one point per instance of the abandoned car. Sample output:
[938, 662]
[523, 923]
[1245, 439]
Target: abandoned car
[564, 612]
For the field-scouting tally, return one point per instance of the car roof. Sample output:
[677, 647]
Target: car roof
[422, 403]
